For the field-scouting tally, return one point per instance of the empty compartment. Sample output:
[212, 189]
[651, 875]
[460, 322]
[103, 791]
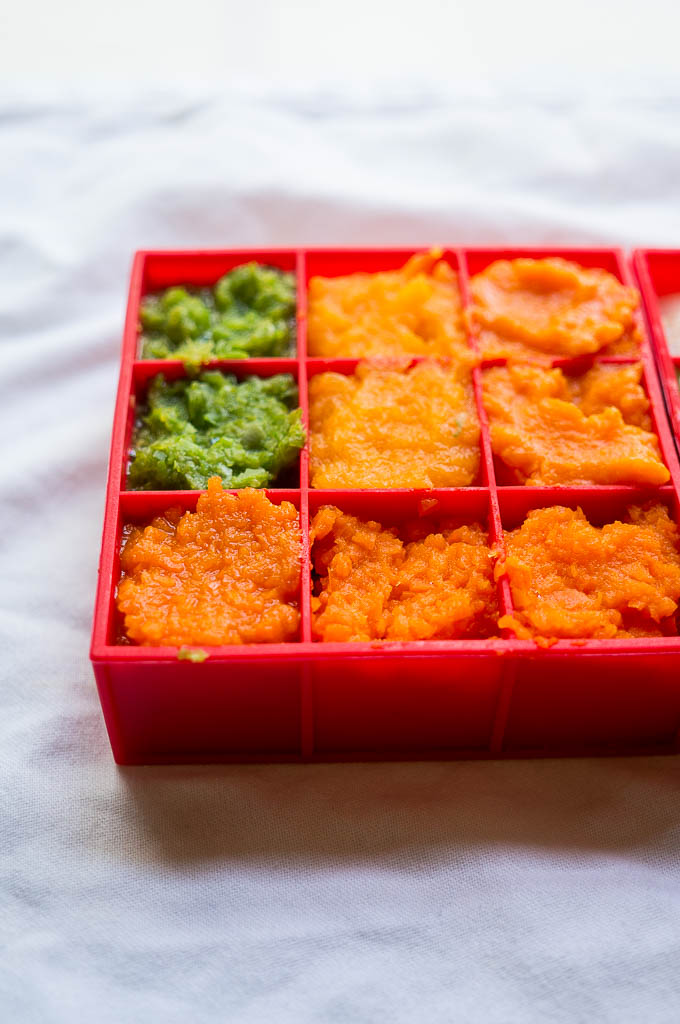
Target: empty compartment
[658, 274]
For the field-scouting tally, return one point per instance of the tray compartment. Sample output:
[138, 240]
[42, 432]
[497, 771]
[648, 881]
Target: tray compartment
[598, 694]
[504, 475]
[200, 269]
[371, 697]
[346, 367]
[658, 274]
[144, 371]
[473, 261]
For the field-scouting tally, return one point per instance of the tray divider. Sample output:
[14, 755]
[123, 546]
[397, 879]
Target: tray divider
[496, 534]
[306, 685]
[495, 522]
[488, 474]
[305, 583]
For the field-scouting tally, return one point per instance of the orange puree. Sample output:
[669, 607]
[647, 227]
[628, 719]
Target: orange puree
[412, 311]
[228, 573]
[593, 429]
[541, 309]
[572, 580]
[429, 581]
[388, 426]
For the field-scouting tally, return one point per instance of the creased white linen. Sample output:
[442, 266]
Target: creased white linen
[502, 893]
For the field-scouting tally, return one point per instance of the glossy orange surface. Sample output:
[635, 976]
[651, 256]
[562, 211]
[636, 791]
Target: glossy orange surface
[570, 579]
[537, 310]
[389, 426]
[427, 581]
[412, 311]
[228, 573]
[552, 429]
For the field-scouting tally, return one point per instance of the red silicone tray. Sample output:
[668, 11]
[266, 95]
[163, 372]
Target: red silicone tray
[658, 274]
[305, 700]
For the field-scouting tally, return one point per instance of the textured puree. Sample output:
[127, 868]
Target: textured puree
[553, 429]
[249, 312]
[390, 426]
[430, 580]
[228, 573]
[412, 311]
[190, 430]
[570, 579]
[536, 310]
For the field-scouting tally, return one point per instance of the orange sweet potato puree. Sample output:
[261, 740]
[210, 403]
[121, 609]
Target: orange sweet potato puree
[537, 310]
[228, 573]
[570, 579]
[428, 581]
[389, 426]
[551, 429]
[412, 311]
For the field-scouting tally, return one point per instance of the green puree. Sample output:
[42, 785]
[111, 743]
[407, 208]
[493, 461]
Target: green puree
[249, 312]
[191, 430]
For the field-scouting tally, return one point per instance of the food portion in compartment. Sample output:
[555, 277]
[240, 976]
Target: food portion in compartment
[414, 311]
[228, 573]
[540, 309]
[250, 312]
[669, 307]
[549, 428]
[572, 580]
[189, 430]
[427, 580]
[392, 425]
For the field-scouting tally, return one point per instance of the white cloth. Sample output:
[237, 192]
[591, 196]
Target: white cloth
[495, 892]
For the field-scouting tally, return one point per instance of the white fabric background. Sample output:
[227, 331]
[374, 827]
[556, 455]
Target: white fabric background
[501, 893]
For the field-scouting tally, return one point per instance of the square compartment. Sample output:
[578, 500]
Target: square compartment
[658, 274]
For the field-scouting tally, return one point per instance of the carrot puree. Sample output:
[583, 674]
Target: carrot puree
[390, 426]
[569, 579]
[536, 310]
[552, 429]
[412, 311]
[427, 581]
[228, 573]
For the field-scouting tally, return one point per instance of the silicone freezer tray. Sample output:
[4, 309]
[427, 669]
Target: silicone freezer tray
[658, 274]
[308, 700]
